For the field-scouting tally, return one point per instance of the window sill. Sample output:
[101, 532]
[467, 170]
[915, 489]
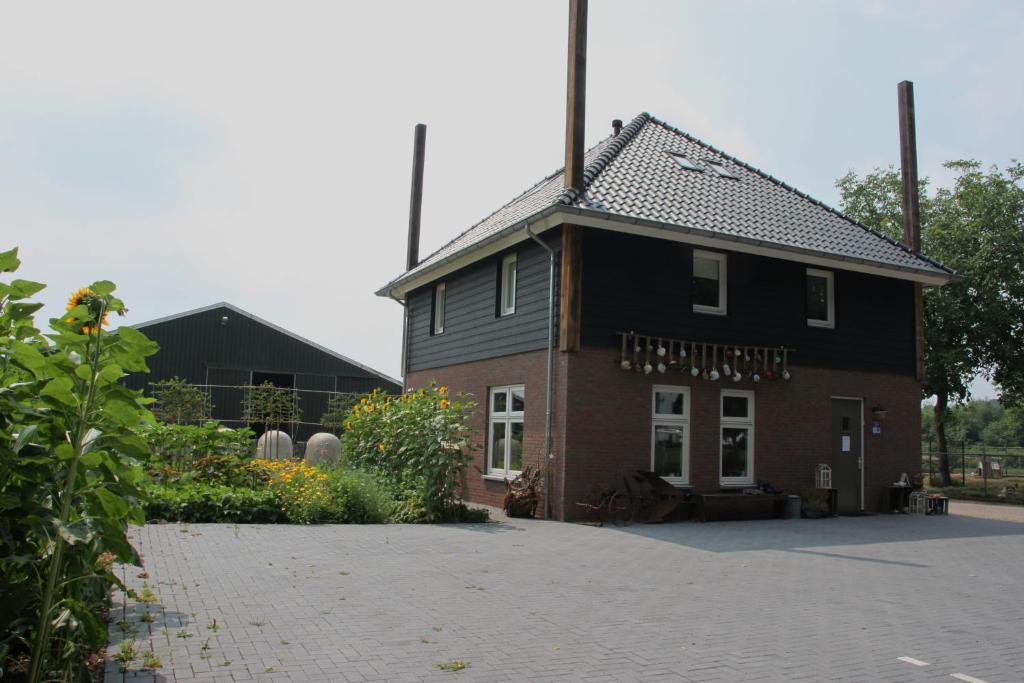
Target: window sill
[736, 484]
[821, 324]
[706, 310]
[500, 477]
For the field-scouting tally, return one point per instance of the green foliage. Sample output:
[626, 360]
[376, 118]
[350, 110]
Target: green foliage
[203, 502]
[975, 227]
[417, 443]
[358, 497]
[69, 474]
[180, 403]
[270, 406]
[986, 422]
[208, 452]
[338, 408]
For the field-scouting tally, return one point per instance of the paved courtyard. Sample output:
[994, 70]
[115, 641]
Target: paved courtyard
[802, 600]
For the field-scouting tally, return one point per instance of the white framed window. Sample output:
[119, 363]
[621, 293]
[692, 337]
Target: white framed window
[439, 294]
[670, 433]
[736, 452]
[709, 282]
[507, 303]
[821, 298]
[506, 408]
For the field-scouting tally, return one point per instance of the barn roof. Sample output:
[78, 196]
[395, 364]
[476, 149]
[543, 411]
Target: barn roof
[277, 328]
[637, 180]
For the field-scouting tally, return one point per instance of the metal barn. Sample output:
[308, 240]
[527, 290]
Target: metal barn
[223, 349]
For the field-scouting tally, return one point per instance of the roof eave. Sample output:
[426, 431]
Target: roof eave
[558, 214]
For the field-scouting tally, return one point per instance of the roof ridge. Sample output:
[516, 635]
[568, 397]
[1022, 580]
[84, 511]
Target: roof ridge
[790, 188]
[595, 167]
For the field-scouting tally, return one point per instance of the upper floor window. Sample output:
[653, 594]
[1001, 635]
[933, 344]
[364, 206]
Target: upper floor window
[821, 298]
[507, 302]
[439, 296]
[709, 282]
[670, 438]
[505, 430]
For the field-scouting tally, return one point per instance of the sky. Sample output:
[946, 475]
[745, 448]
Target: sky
[260, 153]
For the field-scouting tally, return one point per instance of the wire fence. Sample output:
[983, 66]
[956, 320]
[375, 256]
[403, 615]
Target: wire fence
[978, 471]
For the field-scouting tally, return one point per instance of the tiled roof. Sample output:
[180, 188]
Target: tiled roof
[634, 176]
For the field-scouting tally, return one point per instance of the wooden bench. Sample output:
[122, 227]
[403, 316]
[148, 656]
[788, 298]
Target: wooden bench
[714, 507]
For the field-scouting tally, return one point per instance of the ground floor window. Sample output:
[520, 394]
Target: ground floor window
[506, 409]
[670, 433]
[737, 437]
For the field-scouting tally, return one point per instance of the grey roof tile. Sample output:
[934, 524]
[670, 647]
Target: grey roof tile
[633, 175]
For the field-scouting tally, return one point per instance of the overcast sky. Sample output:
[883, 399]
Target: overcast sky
[260, 154]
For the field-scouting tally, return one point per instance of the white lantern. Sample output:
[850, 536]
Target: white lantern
[737, 377]
[786, 375]
[726, 370]
[694, 371]
[648, 368]
[661, 351]
[756, 377]
[713, 375]
[661, 368]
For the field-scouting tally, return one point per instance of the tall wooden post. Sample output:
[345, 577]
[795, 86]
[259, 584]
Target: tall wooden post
[911, 207]
[572, 235]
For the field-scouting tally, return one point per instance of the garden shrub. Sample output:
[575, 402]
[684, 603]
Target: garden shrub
[201, 502]
[208, 452]
[69, 474]
[358, 497]
[417, 443]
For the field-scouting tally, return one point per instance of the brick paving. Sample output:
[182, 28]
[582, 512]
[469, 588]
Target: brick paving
[800, 600]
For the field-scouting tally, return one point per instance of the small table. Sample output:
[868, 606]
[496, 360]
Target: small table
[895, 498]
[937, 505]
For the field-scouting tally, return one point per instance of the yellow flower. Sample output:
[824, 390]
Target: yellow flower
[444, 404]
[442, 390]
[380, 447]
[92, 301]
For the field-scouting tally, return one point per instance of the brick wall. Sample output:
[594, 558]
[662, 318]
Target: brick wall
[529, 369]
[603, 428]
[608, 424]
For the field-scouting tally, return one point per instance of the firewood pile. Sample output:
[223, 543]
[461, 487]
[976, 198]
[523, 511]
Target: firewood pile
[522, 494]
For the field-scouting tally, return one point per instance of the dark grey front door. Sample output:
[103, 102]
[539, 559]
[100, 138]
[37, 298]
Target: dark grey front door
[846, 454]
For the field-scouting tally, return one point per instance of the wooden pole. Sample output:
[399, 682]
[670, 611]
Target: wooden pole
[911, 207]
[572, 235]
[416, 196]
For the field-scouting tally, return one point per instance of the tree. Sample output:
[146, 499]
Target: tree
[975, 325]
[338, 408]
[270, 406]
[180, 403]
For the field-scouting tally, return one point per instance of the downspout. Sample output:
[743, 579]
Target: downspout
[405, 335]
[548, 442]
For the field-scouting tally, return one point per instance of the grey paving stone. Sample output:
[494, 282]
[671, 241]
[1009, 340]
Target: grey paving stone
[834, 599]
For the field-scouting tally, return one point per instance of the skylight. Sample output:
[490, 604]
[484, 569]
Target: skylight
[685, 162]
[720, 168]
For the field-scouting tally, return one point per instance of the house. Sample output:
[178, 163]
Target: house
[716, 326]
[223, 348]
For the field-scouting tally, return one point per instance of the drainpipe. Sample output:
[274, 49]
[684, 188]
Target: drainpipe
[549, 450]
[405, 335]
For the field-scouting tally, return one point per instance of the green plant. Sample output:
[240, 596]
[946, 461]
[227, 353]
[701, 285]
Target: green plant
[207, 452]
[417, 443]
[270, 406]
[357, 497]
[150, 661]
[180, 403]
[68, 471]
[338, 408]
[125, 654]
[452, 666]
[200, 502]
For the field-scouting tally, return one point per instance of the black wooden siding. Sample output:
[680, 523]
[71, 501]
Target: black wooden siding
[200, 350]
[472, 328]
[643, 284]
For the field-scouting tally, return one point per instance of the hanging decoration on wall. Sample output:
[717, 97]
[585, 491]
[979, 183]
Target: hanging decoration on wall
[708, 361]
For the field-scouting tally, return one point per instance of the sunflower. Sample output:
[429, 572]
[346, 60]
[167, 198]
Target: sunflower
[444, 404]
[88, 298]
